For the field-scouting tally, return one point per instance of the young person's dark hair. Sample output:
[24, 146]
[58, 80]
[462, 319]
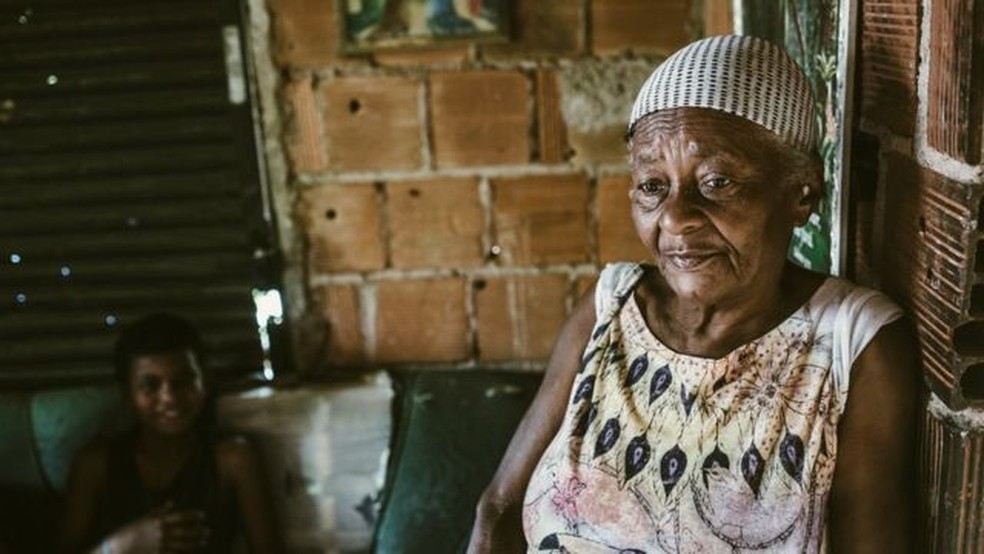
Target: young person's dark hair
[155, 334]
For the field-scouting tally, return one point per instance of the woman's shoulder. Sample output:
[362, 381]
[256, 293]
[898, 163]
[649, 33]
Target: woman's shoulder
[92, 459]
[853, 315]
[616, 273]
[234, 454]
[615, 283]
[99, 448]
[856, 301]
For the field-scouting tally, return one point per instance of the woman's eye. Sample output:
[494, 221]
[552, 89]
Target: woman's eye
[650, 187]
[148, 386]
[183, 383]
[716, 185]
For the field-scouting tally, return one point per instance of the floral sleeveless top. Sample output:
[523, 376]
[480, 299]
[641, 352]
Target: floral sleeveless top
[665, 452]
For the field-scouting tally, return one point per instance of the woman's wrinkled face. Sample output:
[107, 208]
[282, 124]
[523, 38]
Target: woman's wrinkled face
[712, 202]
[166, 391]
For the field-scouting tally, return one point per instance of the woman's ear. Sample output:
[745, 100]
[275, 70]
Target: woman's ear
[804, 206]
[809, 192]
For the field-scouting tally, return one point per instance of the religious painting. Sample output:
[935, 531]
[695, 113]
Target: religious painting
[819, 35]
[371, 25]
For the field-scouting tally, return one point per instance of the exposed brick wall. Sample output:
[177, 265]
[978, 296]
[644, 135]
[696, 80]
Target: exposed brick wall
[920, 76]
[372, 123]
[343, 228]
[519, 316]
[956, 80]
[304, 32]
[621, 25]
[421, 320]
[930, 220]
[924, 248]
[435, 223]
[951, 455]
[888, 61]
[541, 220]
[451, 203]
[617, 238]
[480, 118]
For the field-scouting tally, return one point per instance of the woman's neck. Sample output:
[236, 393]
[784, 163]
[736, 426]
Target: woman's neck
[159, 458]
[693, 326]
[165, 446]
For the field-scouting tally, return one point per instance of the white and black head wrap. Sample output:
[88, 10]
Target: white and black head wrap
[745, 76]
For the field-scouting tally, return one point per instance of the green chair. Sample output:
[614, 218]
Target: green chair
[451, 430]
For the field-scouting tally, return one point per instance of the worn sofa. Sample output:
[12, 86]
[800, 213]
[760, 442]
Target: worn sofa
[391, 462]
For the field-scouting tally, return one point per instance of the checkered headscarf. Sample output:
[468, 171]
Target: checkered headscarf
[741, 75]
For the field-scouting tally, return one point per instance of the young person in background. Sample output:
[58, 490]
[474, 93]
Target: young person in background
[171, 483]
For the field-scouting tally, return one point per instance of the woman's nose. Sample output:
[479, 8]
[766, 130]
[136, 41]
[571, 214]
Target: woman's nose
[680, 213]
[165, 393]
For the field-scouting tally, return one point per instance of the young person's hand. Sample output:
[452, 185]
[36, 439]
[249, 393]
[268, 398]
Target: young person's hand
[163, 532]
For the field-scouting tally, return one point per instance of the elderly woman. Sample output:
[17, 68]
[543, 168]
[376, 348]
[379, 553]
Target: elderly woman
[720, 399]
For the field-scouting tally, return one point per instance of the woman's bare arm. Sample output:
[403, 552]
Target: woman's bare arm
[498, 525]
[85, 480]
[874, 494]
[253, 496]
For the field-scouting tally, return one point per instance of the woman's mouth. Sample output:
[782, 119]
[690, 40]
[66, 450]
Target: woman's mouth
[689, 260]
[171, 416]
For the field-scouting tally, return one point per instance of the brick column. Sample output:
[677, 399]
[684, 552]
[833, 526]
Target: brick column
[921, 78]
[951, 457]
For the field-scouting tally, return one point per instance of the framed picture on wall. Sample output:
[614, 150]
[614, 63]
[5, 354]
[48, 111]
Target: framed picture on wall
[373, 25]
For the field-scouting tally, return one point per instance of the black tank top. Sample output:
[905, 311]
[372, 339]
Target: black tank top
[196, 486]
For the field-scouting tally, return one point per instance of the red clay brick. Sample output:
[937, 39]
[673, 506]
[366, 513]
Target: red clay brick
[597, 147]
[617, 237]
[341, 228]
[603, 92]
[956, 79]
[305, 32]
[519, 317]
[303, 136]
[543, 28]
[718, 18]
[480, 118]
[552, 131]
[456, 55]
[435, 223]
[582, 284]
[887, 63]
[950, 482]
[640, 26]
[542, 220]
[340, 307]
[422, 320]
[373, 123]
[926, 263]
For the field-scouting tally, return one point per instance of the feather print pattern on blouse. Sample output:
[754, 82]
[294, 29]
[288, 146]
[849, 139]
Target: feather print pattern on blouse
[664, 452]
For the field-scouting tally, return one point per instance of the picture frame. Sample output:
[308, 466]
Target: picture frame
[385, 25]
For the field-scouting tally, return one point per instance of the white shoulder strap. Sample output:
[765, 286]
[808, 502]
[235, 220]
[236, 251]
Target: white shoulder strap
[613, 279]
[862, 313]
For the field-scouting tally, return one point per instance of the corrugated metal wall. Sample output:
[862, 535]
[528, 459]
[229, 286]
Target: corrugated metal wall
[128, 183]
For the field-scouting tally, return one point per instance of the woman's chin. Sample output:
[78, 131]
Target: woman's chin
[696, 285]
[172, 427]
